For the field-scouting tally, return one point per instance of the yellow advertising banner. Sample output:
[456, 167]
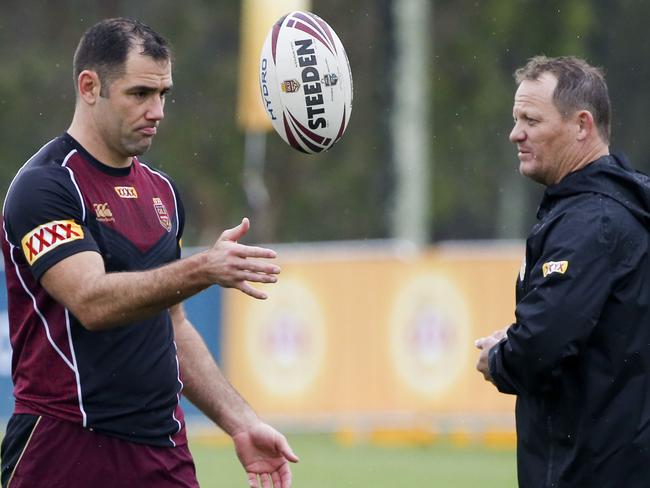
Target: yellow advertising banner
[372, 333]
[257, 18]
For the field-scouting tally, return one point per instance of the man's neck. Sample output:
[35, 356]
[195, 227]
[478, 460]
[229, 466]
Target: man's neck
[89, 138]
[591, 154]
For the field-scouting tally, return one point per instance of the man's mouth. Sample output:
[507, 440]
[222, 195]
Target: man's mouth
[148, 131]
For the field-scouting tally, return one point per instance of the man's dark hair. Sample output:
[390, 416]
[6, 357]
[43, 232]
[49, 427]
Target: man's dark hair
[580, 86]
[105, 46]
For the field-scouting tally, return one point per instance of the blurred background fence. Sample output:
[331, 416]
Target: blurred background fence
[359, 338]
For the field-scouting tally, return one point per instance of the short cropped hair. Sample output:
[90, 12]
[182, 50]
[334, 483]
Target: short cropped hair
[105, 46]
[580, 86]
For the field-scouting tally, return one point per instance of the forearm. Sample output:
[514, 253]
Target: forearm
[103, 300]
[125, 297]
[204, 384]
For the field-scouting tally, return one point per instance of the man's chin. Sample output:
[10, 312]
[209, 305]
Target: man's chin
[140, 148]
[529, 171]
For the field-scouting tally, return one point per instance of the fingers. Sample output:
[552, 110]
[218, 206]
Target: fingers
[255, 266]
[267, 276]
[250, 291]
[277, 482]
[244, 251]
[287, 452]
[500, 334]
[236, 233]
[285, 476]
[235, 265]
[238, 260]
[241, 280]
[258, 277]
[490, 340]
[266, 480]
[482, 366]
[280, 478]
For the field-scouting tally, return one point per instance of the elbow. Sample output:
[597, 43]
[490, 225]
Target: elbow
[93, 320]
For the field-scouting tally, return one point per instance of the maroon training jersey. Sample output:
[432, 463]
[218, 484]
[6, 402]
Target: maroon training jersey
[125, 381]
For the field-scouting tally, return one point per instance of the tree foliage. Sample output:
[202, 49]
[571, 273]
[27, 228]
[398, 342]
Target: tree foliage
[344, 193]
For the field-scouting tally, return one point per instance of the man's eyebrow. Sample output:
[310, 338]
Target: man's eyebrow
[149, 89]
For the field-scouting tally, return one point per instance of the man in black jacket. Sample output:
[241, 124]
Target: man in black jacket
[578, 354]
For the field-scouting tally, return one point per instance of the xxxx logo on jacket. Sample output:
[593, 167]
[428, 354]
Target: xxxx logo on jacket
[161, 212]
[551, 267]
[46, 237]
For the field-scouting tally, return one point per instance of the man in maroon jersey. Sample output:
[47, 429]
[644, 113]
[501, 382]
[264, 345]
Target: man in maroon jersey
[101, 345]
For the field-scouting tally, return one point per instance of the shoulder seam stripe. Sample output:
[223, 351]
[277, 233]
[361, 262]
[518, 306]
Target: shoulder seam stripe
[74, 182]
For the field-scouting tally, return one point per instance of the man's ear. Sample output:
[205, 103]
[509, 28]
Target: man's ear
[88, 86]
[585, 124]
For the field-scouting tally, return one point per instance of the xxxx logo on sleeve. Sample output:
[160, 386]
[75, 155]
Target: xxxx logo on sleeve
[48, 236]
[554, 267]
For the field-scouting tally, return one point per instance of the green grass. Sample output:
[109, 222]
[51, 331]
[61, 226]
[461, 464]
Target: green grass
[328, 464]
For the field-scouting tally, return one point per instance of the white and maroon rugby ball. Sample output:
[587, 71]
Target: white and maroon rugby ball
[306, 82]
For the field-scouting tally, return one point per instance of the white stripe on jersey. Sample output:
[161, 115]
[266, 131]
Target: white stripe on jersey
[74, 182]
[72, 365]
[178, 395]
[76, 369]
[36, 309]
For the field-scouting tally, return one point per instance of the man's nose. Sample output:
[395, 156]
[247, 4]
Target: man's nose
[517, 134]
[156, 110]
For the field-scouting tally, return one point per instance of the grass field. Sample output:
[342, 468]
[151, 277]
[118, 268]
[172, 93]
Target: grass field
[326, 463]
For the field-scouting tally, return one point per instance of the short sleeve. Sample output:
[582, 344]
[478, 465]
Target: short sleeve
[45, 218]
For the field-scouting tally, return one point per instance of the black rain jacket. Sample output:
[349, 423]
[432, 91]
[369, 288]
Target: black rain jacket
[578, 355]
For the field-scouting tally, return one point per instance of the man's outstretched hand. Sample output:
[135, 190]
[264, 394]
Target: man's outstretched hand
[235, 265]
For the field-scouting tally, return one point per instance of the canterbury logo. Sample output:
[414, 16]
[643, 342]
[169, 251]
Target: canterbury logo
[103, 212]
[554, 267]
[126, 192]
[48, 236]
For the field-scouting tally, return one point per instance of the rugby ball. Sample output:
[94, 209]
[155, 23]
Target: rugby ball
[306, 82]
